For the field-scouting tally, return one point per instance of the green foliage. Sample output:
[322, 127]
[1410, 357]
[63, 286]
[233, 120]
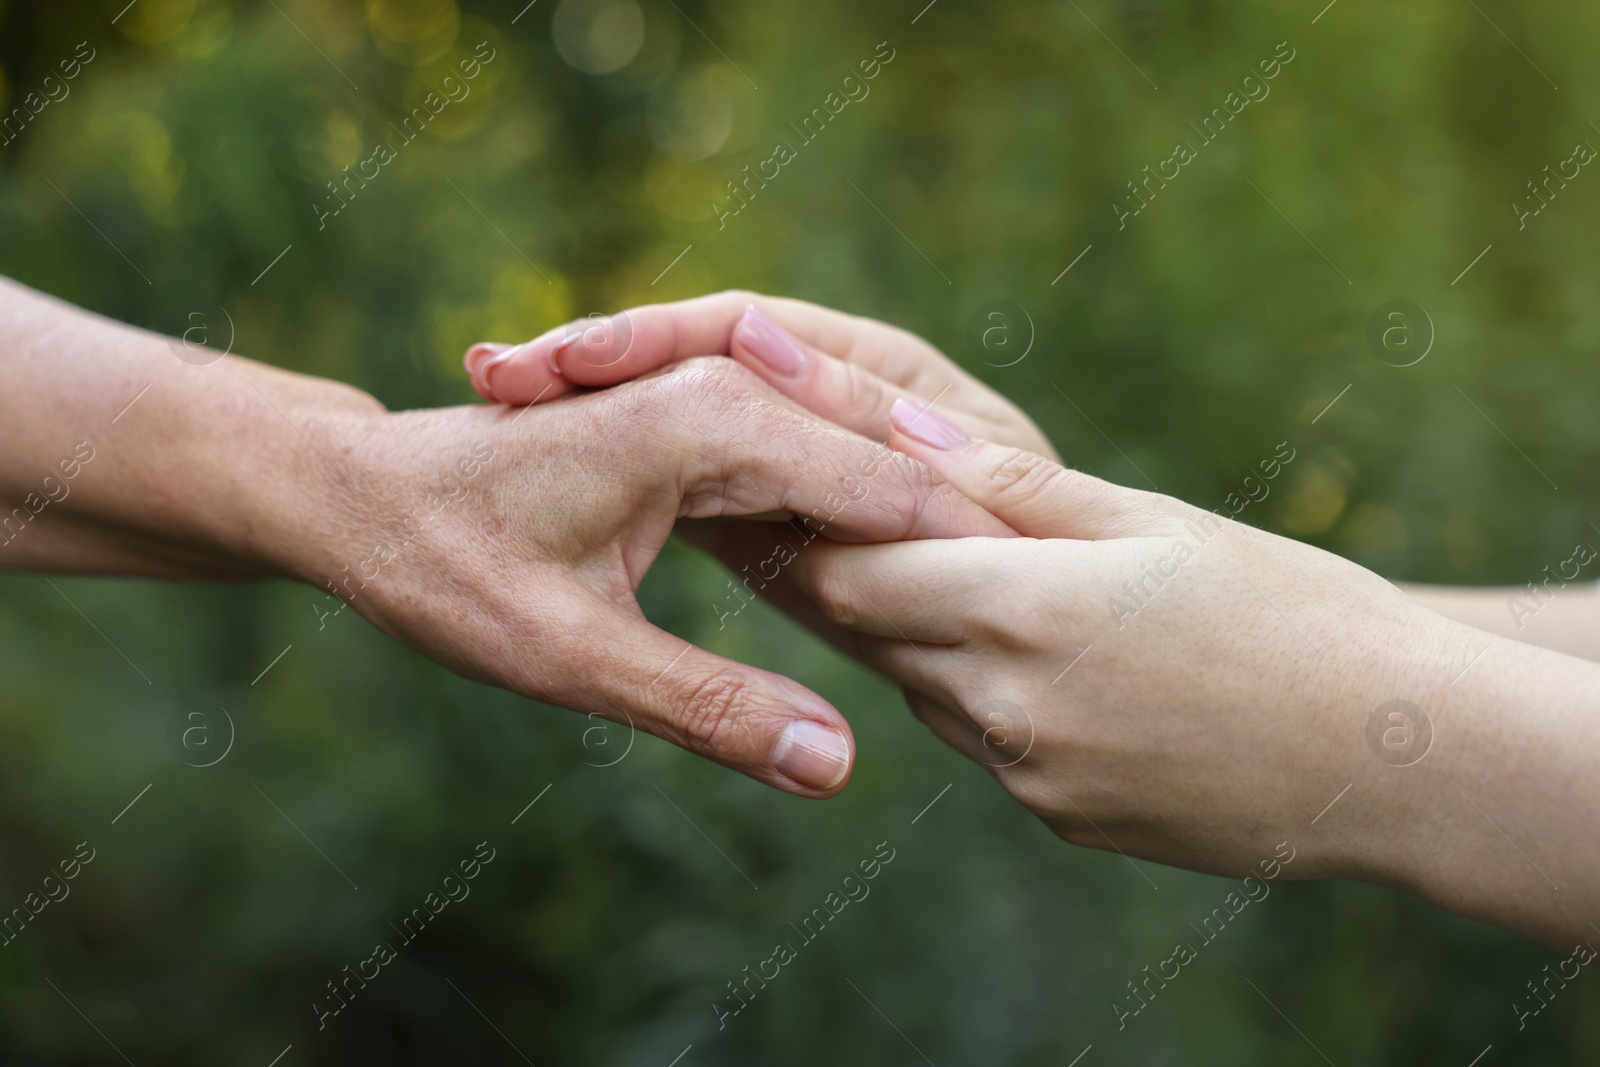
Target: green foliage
[1220, 320]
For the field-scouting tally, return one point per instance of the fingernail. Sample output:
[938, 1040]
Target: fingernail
[771, 343]
[561, 352]
[479, 353]
[922, 423]
[812, 754]
[486, 372]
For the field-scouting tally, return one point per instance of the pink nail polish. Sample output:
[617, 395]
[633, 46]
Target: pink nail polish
[771, 343]
[812, 754]
[479, 353]
[598, 341]
[486, 372]
[922, 423]
[559, 353]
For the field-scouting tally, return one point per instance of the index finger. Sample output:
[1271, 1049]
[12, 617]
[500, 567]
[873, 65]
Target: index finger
[604, 350]
[633, 343]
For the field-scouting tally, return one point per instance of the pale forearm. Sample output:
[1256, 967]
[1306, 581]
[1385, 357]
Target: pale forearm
[1561, 616]
[1497, 821]
[119, 457]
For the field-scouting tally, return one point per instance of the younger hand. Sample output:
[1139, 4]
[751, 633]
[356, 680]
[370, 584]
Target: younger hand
[847, 369]
[1149, 678]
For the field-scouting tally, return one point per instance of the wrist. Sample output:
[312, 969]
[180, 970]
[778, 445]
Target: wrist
[1495, 839]
[1401, 668]
[308, 500]
[1510, 736]
[383, 503]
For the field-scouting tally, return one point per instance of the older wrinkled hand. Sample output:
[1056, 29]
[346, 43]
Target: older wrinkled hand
[527, 578]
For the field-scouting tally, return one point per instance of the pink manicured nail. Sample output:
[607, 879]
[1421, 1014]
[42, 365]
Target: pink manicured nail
[812, 754]
[771, 343]
[923, 424]
[486, 371]
[595, 342]
[560, 353]
[479, 353]
[579, 352]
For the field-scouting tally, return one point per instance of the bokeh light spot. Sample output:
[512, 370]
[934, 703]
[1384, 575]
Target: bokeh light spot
[413, 32]
[598, 36]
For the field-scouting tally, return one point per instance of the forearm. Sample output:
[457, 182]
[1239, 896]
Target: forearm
[121, 458]
[1563, 617]
[1496, 822]
[507, 550]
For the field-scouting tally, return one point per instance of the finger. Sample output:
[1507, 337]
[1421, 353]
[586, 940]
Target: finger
[640, 340]
[1034, 495]
[846, 394]
[635, 342]
[849, 394]
[505, 374]
[995, 735]
[606, 350]
[922, 669]
[736, 448]
[951, 727]
[921, 591]
[480, 353]
[741, 546]
[754, 721]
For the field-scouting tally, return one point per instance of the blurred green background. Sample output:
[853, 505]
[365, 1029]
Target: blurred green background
[1223, 319]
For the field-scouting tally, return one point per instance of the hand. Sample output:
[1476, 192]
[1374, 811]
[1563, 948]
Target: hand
[506, 544]
[509, 545]
[847, 369]
[1149, 678]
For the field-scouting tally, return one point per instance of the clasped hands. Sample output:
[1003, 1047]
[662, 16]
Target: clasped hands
[1144, 675]
[1193, 733]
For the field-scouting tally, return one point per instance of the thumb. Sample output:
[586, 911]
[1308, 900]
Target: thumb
[757, 722]
[1032, 494]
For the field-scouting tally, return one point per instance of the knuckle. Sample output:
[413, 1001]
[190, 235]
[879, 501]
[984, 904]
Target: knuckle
[860, 393]
[693, 385]
[712, 375]
[1038, 792]
[936, 502]
[1006, 624]
[835, 597]
[917, 490]
[708, 714]
[1026, 476]
[1024, 786]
